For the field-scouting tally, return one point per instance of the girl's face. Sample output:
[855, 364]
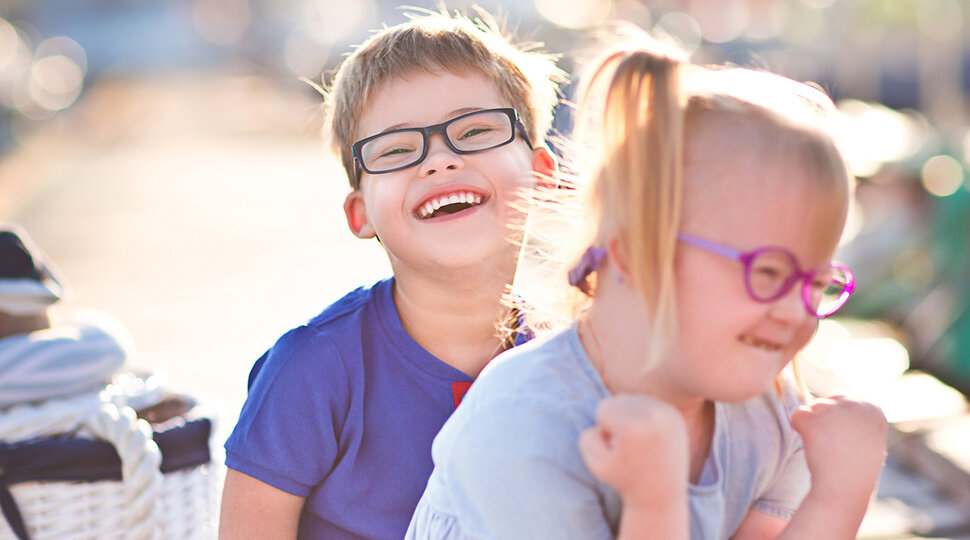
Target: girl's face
[731, 347]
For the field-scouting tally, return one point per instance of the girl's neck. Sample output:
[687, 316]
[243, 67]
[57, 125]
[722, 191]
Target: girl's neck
[456, 321]
[619, 356]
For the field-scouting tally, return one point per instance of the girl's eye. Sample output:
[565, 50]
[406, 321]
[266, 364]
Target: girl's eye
[768, 272]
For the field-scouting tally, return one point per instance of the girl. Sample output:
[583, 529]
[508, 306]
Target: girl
[719, 204]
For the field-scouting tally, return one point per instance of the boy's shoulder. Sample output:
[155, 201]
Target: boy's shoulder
[337, 325]
[331, 339]
[352, 303]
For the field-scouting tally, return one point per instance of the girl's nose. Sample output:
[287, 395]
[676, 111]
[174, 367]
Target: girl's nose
[790, 307]
[440, 157]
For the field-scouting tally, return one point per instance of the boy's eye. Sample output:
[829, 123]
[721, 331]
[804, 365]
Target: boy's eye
[394, 151]
[391, 154]
[469, 133]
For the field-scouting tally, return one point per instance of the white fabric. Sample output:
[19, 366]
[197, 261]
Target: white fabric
[24, 296]
[72, 358]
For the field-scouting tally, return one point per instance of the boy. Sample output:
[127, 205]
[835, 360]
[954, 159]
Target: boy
[433, 121]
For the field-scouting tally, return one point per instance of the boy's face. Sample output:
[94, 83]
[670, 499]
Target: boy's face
[394, 206]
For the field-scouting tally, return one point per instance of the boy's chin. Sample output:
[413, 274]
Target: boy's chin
[469, 261]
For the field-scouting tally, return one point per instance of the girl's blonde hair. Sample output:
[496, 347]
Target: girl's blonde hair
[641, 106]
[433, 41]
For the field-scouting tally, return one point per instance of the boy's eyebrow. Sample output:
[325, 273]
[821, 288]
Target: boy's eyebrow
[451, 114]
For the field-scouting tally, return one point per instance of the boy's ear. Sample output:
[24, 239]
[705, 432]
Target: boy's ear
[356, 211]
[545, 167]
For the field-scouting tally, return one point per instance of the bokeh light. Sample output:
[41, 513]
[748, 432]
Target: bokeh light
[942, 175]
[574, 13]
[680, 28]
[222, 22]
[62, 45]
[10, 43]
[723, 24]
[871, 134]
[36, 84]
[818, 4]
[15, 58]
[55, 82]
[311, 43]
[767, 20]
[939, 20]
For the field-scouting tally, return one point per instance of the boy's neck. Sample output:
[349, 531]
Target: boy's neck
[455, 320]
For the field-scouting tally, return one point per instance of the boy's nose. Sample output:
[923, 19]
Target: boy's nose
[440, 157]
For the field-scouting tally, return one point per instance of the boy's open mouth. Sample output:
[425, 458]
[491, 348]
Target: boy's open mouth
[451, 203]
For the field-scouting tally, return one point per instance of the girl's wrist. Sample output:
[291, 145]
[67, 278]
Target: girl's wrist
[656, 499]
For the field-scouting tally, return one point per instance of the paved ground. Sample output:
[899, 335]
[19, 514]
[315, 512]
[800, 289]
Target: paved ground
[205, 215]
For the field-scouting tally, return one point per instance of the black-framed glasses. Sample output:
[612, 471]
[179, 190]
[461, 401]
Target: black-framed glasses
[469, 133]
[770, 272]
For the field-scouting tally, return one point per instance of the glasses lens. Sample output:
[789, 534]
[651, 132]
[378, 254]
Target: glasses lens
[392, 151]
[828, 291]
[481, 131]
[770, 273]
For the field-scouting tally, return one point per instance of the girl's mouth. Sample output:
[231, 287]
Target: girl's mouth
[451, 203]
[760, 343]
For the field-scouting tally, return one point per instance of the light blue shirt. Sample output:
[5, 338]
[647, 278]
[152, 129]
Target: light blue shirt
[507, 464]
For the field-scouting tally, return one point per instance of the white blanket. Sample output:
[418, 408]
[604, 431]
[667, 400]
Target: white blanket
[70, 358]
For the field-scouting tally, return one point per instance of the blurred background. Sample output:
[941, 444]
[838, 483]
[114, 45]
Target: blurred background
[166, 155]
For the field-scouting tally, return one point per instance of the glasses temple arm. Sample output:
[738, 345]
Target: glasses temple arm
[518, 125]
[710, 246]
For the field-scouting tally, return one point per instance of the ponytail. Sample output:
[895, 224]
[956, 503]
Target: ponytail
[637, 188]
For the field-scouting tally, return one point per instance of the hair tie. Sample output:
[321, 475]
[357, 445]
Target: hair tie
[590, 261]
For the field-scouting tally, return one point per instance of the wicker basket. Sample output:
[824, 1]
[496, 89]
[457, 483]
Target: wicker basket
[116, 474]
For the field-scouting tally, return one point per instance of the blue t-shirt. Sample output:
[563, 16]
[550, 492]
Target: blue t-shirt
[507, 463]
[342, 411]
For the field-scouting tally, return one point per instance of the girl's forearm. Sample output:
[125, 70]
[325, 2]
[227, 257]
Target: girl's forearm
[664, 520]
[823, 515]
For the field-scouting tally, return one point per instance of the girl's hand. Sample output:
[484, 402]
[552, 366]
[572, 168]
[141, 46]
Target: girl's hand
[845, 445]
[639, 447]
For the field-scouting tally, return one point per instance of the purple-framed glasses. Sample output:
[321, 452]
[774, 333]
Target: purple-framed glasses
[470, 133]
[770, 272]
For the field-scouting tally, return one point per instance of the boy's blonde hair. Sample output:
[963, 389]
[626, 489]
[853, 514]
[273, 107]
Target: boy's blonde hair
[436, 41]
[641, 107]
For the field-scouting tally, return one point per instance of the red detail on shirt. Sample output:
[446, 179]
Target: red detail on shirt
[458, 390]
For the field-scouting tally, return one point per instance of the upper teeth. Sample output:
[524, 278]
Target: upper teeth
[755, 342]
[462, 197]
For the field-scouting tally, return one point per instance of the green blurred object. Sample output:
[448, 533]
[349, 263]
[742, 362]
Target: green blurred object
[919, 281]
[949, 351]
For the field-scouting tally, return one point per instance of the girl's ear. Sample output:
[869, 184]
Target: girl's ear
[617, 255]
[356, 211]
[545, 167]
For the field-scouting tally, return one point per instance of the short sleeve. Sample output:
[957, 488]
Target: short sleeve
[788, 489]
[288, 431]
[792, 480]
[511, 469]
